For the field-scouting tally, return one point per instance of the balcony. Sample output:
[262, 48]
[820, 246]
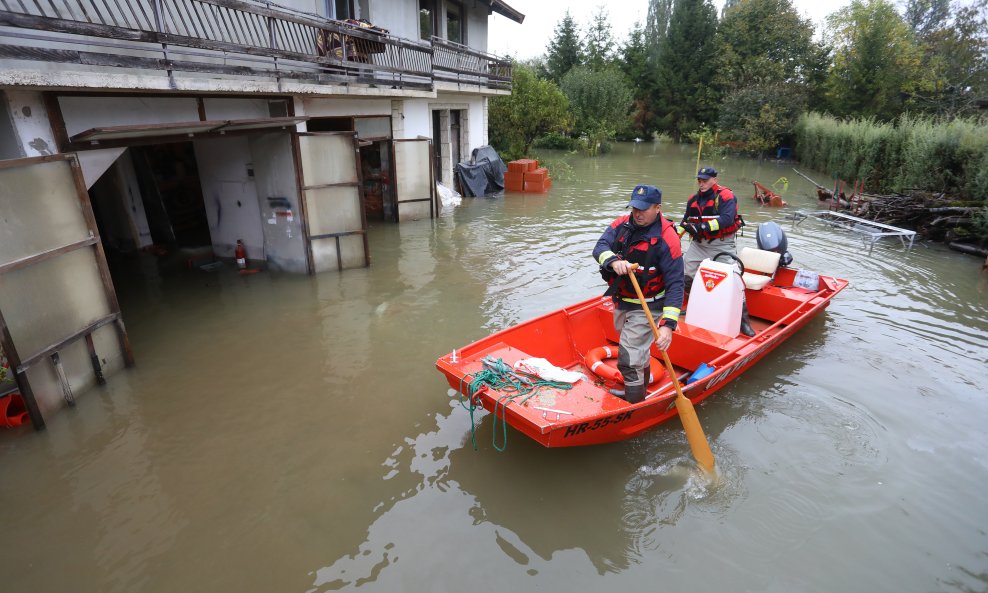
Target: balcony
[238, 39]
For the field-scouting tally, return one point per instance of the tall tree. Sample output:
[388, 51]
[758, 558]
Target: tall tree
[565, 49]
[876, 60]
[685, 97]
[656, 26]
[926, 16]
[955, 62]
[599, 43]
[599, 100]
[534, 108]
[634, 62]
[768, 66]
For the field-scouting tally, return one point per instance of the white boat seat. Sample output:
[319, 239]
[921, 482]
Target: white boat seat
[759, 267]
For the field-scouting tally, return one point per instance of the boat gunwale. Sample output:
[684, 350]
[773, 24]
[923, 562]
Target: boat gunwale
[741, 355]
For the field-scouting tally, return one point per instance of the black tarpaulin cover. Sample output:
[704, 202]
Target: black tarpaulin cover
[483, 175]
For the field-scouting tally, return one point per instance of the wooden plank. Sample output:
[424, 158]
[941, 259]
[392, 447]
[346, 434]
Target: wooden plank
[338, 235]
[104, 270]
[24, 364]
[23, 384]
[46, 255]
[360, 200]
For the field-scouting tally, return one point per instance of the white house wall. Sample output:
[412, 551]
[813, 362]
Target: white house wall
[400, 18]
[10, 145]
[235, 108]
[476, 25]
[229, 194]
[418, 119]
[134, 201]
[345, 107]
[83, 113]
[30, 119]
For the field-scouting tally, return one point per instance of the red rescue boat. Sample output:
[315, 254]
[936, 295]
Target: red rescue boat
[704, 360]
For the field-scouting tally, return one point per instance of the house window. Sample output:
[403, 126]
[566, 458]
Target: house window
[340, 9]
[427, 18]
[454, 23]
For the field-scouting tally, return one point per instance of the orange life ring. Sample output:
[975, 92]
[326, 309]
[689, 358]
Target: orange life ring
[595, 362]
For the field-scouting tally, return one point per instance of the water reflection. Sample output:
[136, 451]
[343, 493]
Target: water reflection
[290, 433]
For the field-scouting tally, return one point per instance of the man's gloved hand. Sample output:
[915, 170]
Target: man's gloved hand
[695, 229]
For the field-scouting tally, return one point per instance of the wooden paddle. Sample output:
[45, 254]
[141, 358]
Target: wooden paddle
[691, 424]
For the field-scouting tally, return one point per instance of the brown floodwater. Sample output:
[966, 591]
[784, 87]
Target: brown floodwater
[291, 434]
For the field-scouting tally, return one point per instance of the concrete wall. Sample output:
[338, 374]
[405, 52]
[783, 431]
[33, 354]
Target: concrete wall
[418, 119]
[399, 17]
[10, 143]
[230, 195]
[274, 176]
[83, 113]
[134, 202]
[235, 108]
[30, 121]
[476, 24]
[317, 107]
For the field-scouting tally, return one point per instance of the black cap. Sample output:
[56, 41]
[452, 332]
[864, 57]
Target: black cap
[706, 173]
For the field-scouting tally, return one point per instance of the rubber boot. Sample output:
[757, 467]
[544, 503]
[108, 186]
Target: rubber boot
[634, 393]
[746, 328]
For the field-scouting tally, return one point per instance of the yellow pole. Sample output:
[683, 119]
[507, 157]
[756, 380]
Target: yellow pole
[698, 151]
[687, 414]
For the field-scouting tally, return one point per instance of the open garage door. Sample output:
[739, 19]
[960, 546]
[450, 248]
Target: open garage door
[332, 201]
[415, 186]
[59, 314]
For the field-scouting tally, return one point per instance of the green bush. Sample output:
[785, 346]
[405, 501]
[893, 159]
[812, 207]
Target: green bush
[557, 141]
[911, 153]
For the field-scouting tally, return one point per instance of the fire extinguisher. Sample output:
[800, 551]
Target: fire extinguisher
[241, 255]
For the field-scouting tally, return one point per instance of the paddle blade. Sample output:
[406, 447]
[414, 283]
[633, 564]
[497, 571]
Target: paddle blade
[694, 433]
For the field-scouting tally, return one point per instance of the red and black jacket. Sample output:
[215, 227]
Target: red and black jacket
[718, 208]
[656, 249]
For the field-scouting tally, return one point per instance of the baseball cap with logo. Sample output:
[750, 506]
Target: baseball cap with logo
[706, 173]
[645, 196]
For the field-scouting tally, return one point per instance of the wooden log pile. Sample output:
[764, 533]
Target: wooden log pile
[933, 215]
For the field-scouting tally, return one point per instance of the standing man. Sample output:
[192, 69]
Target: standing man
[645, 238]
[711, 219]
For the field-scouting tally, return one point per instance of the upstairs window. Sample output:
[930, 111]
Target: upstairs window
[340, 10]
[454, 23]
[427, 18]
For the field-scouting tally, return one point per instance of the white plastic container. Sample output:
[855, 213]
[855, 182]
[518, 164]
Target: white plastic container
[716, 298]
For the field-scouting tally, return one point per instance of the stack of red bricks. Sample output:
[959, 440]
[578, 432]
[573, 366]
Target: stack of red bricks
[526, 175]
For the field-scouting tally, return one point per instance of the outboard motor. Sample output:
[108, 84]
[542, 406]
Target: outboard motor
[771, 237]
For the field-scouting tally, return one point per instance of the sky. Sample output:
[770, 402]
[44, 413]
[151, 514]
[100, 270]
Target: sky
[529, 39]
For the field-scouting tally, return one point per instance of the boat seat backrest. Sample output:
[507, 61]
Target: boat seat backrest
[759, 267]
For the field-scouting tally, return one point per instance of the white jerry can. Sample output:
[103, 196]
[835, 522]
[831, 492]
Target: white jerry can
[716, 298]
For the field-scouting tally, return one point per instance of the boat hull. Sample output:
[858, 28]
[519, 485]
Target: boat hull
[587, 414]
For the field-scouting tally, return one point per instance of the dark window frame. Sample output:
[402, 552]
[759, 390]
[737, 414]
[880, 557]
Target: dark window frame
[461, 11]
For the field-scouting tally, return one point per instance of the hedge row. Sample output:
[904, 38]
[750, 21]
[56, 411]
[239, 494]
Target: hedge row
[911, 153]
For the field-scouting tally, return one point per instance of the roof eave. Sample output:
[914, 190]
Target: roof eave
[503, 9]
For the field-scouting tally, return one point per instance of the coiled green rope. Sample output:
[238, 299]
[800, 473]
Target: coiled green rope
[516, 387]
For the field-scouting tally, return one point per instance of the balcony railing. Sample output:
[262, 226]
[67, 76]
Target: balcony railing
[453, 62]
[233, 37]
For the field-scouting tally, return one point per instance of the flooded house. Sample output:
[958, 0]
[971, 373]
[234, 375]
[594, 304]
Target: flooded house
[267, 132]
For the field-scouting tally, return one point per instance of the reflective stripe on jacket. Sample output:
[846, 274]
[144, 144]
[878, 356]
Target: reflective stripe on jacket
[718, 208]
[657, 250]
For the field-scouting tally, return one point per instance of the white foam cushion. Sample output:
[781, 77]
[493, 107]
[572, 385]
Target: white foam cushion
[759, 260]
[759, 267]
[755, 281]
